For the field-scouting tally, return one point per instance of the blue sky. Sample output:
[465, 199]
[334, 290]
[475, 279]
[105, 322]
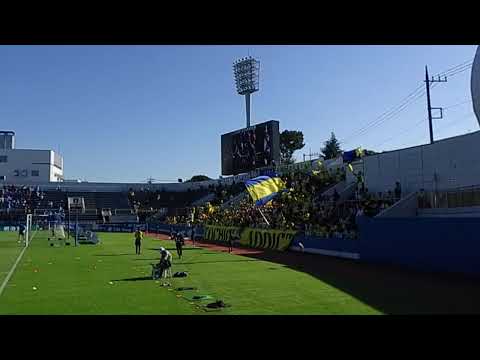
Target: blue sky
[126, 113]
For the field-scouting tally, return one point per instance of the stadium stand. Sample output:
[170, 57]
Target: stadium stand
[318, 203]
[305, 207]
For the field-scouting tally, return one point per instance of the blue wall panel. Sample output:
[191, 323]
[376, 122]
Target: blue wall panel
[438, 244]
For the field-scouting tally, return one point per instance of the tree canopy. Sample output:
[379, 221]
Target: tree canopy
[332, 149]
[198, 178]
[290, 141]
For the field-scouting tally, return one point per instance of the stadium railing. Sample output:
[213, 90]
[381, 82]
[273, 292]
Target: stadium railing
[123, 212]
[451, 198]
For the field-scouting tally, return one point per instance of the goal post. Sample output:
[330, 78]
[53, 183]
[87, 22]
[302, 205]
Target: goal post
[28, 230]
[76, 206]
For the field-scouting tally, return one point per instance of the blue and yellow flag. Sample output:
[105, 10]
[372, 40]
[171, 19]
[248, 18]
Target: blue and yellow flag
[262, 189]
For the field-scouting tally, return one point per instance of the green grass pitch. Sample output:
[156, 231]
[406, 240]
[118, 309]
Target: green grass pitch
[110, 279]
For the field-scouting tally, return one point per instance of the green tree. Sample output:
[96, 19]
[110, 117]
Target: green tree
[332, 148]
[290, 141]
[198, 178]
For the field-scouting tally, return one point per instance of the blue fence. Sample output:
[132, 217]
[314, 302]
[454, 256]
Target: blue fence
[123, 227]
[11, 223]
[432, 244]
[436, 244]
[346, 248]
[165, 228]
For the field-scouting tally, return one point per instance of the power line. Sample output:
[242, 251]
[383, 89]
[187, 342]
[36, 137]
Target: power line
[448, 125]
[459, 71]
[454, 68]
[456, 121]
[406, 130]
[412, 127]
[392, 115]
[415, 95]
[458, 104]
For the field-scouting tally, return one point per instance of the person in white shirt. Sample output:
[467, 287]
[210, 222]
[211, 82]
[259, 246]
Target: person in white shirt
[165, 260]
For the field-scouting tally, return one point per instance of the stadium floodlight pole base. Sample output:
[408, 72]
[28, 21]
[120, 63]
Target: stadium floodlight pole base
[247, 107]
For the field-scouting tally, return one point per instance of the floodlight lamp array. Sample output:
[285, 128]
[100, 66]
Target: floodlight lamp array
[247, 75]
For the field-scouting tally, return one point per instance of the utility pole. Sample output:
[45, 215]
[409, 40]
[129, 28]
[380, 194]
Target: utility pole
[429, 105]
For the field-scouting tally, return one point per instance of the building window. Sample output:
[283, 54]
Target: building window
[3, 159]
[35, 173]
[24, 172]
[3, 178]
[16, 173]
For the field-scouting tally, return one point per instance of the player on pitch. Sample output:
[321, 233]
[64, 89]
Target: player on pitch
[179, 242]
[138, 241]
[21, 233]
[231, 238]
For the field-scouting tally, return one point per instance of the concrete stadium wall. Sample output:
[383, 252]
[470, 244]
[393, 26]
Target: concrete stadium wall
[446, 164]
[357, 167]
[406, 207]
[340, 187]
[467, 211]
[432, 244]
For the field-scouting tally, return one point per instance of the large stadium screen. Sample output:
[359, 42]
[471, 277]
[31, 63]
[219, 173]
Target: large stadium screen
[251, 148]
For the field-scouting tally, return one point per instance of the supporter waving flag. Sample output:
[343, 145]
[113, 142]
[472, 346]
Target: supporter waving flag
[262, 189]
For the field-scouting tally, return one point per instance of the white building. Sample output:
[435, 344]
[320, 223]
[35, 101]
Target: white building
[25, 166]
[446, 164]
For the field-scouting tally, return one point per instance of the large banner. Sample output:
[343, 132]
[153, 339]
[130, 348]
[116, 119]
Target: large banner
[267, 239]
[220, 233]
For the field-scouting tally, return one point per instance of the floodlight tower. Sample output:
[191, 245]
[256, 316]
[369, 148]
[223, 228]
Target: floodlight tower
[247, 79]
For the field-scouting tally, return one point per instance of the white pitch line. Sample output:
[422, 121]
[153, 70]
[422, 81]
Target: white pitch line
[5, 282]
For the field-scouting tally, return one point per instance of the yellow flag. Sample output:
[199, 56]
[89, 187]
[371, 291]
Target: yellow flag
[210, 208]
[350, 167]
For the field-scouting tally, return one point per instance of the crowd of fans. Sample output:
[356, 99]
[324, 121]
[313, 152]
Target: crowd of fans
[303, 207]
[224, 193]
[20, 197]
[24, 199]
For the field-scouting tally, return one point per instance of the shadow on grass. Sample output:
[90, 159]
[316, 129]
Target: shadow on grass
[177, 262]
[175, 249]
[114, 254]
[213, 262]
[388, 289]
[142, 278]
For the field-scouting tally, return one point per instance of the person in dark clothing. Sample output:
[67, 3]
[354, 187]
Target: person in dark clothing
[231, 239]
[138, 241]
[192, 235]
[336, 196]
[230, 243]
[398, 191]
[21, 233]
[179, 244]
[360, 181]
